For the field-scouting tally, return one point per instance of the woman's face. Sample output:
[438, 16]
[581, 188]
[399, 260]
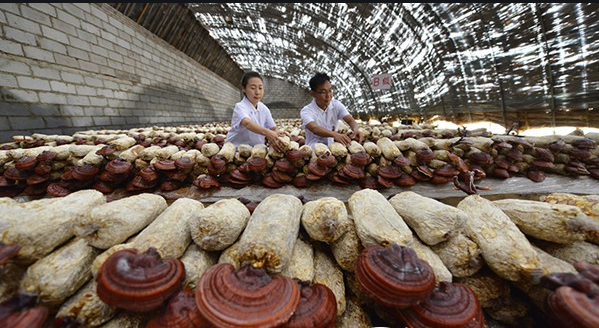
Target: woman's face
[323, 95]
[254, 90]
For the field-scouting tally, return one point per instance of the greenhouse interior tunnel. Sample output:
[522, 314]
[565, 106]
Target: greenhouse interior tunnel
[455, 148]
[530, 64]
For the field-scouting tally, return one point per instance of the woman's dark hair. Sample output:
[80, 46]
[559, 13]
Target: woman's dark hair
[247, 76]
[317, 80]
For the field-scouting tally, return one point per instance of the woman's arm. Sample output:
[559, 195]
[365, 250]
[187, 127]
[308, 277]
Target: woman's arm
[270, 135]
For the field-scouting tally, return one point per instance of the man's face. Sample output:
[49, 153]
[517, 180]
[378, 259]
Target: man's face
[323, 95]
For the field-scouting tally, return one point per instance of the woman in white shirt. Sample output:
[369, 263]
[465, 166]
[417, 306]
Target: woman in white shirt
[252, 121]
[320, 116]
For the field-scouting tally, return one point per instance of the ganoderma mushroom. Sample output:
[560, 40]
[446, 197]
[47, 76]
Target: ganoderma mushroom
[393, 276]
[574, 300]
[248, 297]
[138, 282]
[181, 312]
[450, 305]
[7, 252]
[21, 311]
[317, 307]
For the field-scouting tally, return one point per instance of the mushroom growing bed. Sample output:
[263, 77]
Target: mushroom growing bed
[85, 214]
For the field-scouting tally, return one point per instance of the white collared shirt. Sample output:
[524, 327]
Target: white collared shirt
[327, 119]
[239, 134]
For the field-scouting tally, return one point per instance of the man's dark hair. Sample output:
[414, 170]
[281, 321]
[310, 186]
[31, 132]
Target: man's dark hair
[247, 76]
[317, 80]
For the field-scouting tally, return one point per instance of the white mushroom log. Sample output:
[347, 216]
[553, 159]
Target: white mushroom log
[504, 247]
[460, 254]
[325, 219]
[552, 222]
[271, 232]
[219, 225]
[168, 233]
[346, 249]
[432, 220]
[301, 263]
[328, 273]
[354, 315]
[43, 229]
[86, 308]
[376, 221]
[114, 222]
[196, 262]
[60, 274]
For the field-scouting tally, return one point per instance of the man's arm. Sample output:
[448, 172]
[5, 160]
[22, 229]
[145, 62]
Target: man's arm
[324, 132]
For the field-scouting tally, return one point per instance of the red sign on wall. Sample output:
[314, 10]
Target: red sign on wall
[381, 81]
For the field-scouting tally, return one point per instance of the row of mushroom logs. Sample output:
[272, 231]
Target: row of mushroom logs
[366, 206]
[382, 162]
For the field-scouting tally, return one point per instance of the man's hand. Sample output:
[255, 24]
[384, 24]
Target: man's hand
[342, 138]
[358, 136]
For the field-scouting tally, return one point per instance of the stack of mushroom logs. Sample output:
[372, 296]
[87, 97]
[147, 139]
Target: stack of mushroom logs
[168, 159]
[80, 261]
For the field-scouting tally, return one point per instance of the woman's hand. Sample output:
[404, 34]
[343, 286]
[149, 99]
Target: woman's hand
[274, 141]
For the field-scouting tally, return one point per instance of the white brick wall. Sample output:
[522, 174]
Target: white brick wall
[75, 66]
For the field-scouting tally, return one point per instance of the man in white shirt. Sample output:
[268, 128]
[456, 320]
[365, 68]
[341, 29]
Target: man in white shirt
[252, 121]
[321, 115]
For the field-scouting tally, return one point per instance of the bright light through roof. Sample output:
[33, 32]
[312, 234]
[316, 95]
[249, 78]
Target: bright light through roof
[498, 129]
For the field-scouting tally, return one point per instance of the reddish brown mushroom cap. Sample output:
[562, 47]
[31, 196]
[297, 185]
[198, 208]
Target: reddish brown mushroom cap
[46, 155]
[248, 297]
[138, 282]
[284, 165]
[85, 172]
[181, 312]
[327, 160]
[26, 163]
[8, 251]
[317, 308]
[368, 182]
[21, 311]
[294, 155]
[574, 300]
[257, 164]
[118, 166]
[184, 164]
[394, 276]
[451, 305]
[570, 308]
[389, 172]
[317, 169]
[360, 159]
[165, 165]
[353, 171]
[57, 190]
[300, 181]
[424, 155]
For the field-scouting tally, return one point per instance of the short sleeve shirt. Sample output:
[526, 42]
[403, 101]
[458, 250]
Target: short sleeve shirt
[327, 119]
[239, 134]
